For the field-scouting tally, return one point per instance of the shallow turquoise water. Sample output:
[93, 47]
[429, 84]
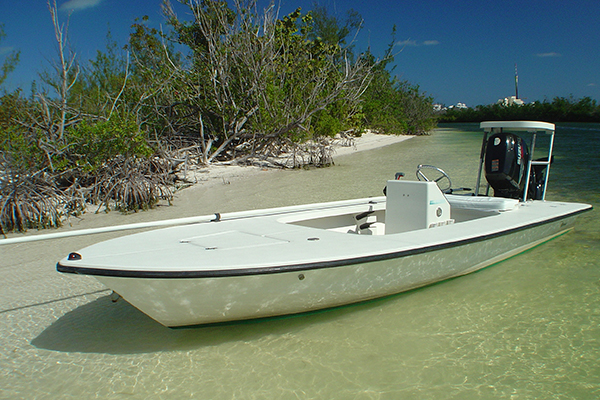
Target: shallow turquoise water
[525, 328]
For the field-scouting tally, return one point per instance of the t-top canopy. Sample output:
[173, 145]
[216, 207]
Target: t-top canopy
[518, 125]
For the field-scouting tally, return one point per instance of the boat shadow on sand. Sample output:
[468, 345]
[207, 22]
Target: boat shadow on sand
[102, 326]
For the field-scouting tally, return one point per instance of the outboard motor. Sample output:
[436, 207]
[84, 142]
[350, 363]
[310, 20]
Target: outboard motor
[537, 180]
[506, 160]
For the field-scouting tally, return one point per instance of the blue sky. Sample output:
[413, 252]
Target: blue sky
[456, 51]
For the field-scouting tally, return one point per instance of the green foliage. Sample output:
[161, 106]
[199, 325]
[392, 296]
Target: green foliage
[301, 73]
[327, 122]
[146, 45]
[19, 146]
[417, 108]
[559, 110]
[251, 80]
[100, 81]
[21, 151]
[91, 145]
[219, 17]
[227, 82]
[331, 30]
[395, 107]
[10, 61]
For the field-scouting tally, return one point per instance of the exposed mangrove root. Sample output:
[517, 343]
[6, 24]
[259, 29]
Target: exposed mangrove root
[125, 183]
[33, 201]
[286, 154]
[132, 184]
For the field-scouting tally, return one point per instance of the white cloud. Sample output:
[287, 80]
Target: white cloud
[76, 5]
[407, 42]
[414, 43]
[551, 54]
[5, 50]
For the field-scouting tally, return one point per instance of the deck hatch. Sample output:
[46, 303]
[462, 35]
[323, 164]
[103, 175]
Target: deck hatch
[231, 240]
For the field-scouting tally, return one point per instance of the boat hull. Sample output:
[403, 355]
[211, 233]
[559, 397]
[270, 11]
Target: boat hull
[290, 289]
[298, 259]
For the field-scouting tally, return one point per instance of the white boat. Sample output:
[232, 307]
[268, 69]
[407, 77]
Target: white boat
[296, 259]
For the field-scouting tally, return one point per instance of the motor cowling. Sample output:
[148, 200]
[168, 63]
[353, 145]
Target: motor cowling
[506, 160]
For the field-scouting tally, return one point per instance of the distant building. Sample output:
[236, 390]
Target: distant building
[510, 101]
[437, 107]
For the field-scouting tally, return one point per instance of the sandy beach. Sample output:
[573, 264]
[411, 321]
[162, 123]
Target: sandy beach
[223, 173]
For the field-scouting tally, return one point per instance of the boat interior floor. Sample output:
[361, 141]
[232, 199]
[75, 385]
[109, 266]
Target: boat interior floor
[370, 219]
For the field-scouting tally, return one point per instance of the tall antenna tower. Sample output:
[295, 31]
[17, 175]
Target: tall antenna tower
[516, 82]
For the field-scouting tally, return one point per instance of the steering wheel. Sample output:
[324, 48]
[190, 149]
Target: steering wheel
[435, 175]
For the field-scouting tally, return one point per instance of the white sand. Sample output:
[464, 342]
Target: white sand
[223, 173]
[369, 141]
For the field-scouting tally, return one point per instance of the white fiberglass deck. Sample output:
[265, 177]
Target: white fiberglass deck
[298, 239]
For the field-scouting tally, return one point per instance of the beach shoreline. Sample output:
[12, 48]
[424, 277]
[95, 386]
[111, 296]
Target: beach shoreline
[220, 173]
